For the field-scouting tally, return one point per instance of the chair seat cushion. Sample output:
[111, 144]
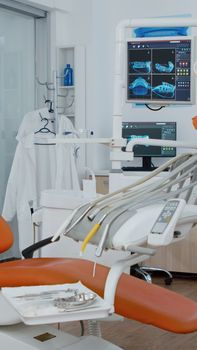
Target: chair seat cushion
[135, 299]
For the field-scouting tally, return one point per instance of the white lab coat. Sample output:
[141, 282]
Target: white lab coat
[36, 168]
[66, 174]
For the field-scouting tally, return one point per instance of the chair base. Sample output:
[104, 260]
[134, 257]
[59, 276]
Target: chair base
[145, 273]
[22, 337]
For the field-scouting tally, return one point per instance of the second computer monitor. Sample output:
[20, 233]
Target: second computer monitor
[150, 130]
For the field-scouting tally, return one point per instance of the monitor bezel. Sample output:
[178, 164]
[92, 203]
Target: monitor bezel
[162, 102]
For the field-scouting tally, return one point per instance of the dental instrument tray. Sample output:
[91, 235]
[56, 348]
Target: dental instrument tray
[56, 303]
[73, 302]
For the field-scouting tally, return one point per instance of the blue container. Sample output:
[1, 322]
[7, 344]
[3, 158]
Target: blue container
[68, 75]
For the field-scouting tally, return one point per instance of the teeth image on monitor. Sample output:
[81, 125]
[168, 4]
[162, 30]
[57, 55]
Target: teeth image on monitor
[159, 70]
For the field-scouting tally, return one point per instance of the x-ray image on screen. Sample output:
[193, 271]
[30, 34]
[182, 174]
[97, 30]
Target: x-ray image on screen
[163, 87]
[140, 86]
[163, 61]
[159, 71]
[140, 62]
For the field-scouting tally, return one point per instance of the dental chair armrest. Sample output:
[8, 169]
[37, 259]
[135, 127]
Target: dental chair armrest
[29, 251]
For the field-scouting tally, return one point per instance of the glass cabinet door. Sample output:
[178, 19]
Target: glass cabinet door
[17, 83]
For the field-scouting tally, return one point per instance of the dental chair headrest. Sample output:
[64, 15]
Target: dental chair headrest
[6, 236]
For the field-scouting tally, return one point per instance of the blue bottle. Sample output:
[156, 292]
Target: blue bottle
[68, 75]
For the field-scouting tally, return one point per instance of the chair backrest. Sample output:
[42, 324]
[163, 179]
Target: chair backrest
[6, 235]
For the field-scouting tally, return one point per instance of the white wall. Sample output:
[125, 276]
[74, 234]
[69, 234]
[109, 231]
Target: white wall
[92, 23]
[111, 12]
[73, 28]
[49, 4]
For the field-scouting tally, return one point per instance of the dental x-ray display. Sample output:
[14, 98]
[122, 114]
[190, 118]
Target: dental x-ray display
[159, 70]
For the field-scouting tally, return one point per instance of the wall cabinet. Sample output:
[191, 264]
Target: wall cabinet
[179, 257]
[71, 100]
[102, 184]
[65, 94]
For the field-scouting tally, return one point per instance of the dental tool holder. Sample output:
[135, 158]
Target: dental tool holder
[44, 304]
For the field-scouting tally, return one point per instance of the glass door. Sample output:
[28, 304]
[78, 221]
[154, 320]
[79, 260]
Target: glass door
[17, 88]
[18, 92]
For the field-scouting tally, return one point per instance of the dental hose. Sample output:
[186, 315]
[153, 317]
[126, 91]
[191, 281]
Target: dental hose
[124, 207]
[123, 190]
[67, 226]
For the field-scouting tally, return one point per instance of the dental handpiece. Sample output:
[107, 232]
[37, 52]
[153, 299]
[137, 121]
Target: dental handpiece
[103, 239]
[106, 231]
[77, 220]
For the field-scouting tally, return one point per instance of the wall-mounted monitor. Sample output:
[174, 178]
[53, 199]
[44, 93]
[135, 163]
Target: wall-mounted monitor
[150, 130]
[159, 70]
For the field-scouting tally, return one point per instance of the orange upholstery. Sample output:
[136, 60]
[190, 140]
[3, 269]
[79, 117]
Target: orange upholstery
[6, 236]
[135, 299]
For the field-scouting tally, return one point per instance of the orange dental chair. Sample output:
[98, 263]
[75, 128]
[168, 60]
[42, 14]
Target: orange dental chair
[134, 299]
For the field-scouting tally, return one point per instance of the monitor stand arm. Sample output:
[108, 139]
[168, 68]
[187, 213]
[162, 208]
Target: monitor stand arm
[146, 163]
